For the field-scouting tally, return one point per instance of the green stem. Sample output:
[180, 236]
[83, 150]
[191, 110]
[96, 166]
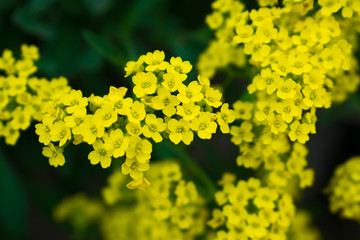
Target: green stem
[192, 166]
[172, 151]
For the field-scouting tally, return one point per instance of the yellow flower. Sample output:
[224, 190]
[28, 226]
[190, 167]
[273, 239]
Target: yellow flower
[299, 131]
[134, 129]
[145, 83]
[75, 120]
[244, 33]
[243, 110]
[265, 198]
[180, 131]
[188, 111]
[155, 61]
[258, 17]
[257, 50]
[213, 97]
[118, 141]
[186, 193]
[214, 20]
[191, 93]
[286, 89]
[105, 115]
[141, 184]
[299, 63]
[277, 123]
[268, 80]
[165, 101]
[56, 158]
[264, 109]
[242, 133]
[102, 154]
[314, 97]
[74, 101]
[135, 168]
[172, 80]
[139, 148]
[266, 32]
[59, 132]
[330, 6]
[234, 213]
[217, 220]
[315, 79]
[154, 126]
[43, 130]
[255, 227]
[288, 110]
[21, 117]
[176, 64]
[30, 52]
[204, 125]
[134, 67]
[224, 117]
[136, 112]
[91, 129]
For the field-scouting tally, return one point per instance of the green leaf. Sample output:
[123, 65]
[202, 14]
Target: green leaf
[97, 7]
[104, 48]
[40, 5]
[12, 201]
[26, 19]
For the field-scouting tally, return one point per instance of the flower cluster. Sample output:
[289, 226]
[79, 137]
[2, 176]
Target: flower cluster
[344, 189]
[22, 96]
[251, 211]
[297, 71]
[117, 126]
[171, 208]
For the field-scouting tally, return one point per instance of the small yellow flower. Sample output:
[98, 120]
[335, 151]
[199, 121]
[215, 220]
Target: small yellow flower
[188, 111]
[105, 115]
[59, 132]
[91, 129]
[213, 97]
[102, 154]
[155, 61]
[56, 158]
[154, 126]
[242, 133]
[299, 131]
[74, 101]
[165, 101]
[191, 93]
[136, 112]
[139, 148]
[180, 131]
[204, 125]
[118, 141]
[224, 117]
[286, 89]
[176, 64]
[145, 83]
[135, 168]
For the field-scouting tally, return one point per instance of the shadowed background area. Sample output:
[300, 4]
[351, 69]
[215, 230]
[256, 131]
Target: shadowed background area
[89, 42]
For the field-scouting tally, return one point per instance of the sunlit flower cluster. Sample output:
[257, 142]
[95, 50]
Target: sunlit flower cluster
[249, 210]
[344, 189]
[22, 96]
[296, 71]
[171, 208]
[164, 106]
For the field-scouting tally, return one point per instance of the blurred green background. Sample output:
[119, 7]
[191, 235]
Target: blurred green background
[89, 42]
